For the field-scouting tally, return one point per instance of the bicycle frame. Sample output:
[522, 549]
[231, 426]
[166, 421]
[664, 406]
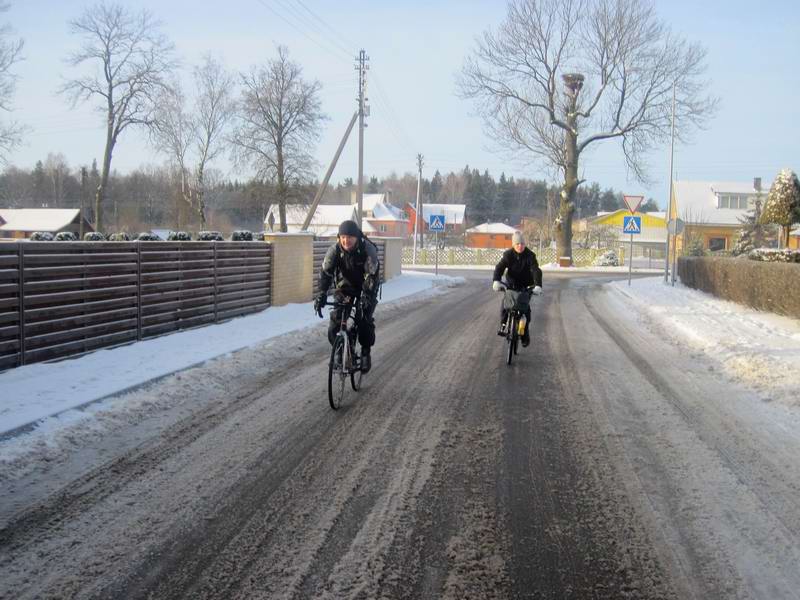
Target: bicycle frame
[345, 360]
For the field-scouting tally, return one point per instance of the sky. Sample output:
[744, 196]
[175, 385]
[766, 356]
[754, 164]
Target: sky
[416, 50]
[756, 349]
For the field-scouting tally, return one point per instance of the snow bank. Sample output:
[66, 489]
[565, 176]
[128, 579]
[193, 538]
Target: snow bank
[758, 349]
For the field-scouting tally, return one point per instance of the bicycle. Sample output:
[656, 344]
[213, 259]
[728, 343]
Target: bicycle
[345, 359]
[516, 304]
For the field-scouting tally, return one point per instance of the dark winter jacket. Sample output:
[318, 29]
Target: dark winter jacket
[522, 270]
[351, 272]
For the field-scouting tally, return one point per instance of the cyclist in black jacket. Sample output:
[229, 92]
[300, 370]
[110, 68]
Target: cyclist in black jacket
[352, 266]
[522, 271]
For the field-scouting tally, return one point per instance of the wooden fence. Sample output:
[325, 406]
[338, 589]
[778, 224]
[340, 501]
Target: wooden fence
[65, 298]
[321, 247]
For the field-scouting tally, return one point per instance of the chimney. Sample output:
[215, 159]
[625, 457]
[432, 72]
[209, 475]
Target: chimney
[757, 184]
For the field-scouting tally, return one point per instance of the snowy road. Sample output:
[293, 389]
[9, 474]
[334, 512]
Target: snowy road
[604, 463]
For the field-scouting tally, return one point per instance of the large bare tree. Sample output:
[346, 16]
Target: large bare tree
[132, 60]
[559, 75]
[280, 118]
[10, 54]
[193, 139]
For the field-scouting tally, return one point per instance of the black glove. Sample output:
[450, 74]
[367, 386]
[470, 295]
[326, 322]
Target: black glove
[320, 301]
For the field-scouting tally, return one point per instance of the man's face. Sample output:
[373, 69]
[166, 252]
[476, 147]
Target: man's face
[519, 247]
[348, 242]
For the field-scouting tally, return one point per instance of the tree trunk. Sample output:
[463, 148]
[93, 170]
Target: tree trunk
[100, 196]
[281, 191]
[201, 203]
[566, 206]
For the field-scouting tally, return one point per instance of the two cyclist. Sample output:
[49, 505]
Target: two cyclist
[351, 264]
[522, 271]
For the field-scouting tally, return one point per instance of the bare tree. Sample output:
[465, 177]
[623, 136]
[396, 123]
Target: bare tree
[617, 63]
[56, 169]
[134, 60]
[280, 117]
[10, 54]
[196, 136]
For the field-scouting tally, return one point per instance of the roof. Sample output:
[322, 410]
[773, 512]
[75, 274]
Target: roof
[37, 219]
[494, 228]
[368, 201]
[696, 201]
[324, 215]
[387, 212]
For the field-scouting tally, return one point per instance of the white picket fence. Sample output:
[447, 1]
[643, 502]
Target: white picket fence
[459, 255]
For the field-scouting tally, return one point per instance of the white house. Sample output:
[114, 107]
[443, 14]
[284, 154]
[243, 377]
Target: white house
[325, 221]
[19, 223]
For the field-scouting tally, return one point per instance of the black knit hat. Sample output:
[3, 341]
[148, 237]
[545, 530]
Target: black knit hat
[350, 228]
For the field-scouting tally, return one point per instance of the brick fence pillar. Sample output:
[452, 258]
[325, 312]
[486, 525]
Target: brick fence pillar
[292, 267]
[393, 257]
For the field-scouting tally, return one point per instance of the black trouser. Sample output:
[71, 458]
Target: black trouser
[504, 316]
[366, 327]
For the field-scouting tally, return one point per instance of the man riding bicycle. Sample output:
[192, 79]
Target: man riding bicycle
[522, 271]
[352, 265]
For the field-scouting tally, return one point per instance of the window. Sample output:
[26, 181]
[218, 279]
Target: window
[737, 201]
[715, 244]
[383, 228]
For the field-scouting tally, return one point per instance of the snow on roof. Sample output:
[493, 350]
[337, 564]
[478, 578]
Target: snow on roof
[387, 212]
[368, 201]
[494, 228]
[326, 214]
[697, 201]
[37, 219]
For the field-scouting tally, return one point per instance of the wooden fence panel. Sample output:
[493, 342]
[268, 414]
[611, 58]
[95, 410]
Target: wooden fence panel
[75, 297]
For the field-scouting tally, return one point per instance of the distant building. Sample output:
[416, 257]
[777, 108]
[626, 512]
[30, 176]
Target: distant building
[324, 223]
[489, 235]
[453, 217]
[20, 223]
[654, 227]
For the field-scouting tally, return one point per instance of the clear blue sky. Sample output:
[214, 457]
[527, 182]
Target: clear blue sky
[416, 48]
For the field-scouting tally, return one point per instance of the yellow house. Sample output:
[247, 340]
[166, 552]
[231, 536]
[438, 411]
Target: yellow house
[654, 227]
[712, 210]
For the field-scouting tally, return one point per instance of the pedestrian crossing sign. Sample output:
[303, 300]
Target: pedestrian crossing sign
[436, 222]
[632, 225]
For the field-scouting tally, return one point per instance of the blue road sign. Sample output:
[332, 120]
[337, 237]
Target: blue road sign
[436, 222]
[631, 224]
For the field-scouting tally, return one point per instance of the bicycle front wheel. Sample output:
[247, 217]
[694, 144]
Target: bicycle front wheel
[512, 339]
[337, 375]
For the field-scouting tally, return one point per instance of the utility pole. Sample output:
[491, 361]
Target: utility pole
[669, 203]
[362, 67]
[83, 195]
[417, 215]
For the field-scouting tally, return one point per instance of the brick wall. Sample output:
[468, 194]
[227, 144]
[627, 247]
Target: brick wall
[292, 264]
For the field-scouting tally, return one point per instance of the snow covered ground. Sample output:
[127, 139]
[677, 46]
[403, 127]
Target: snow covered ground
[37, 401]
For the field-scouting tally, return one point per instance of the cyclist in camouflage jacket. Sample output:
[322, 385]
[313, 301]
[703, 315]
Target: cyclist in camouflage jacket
[352, 267]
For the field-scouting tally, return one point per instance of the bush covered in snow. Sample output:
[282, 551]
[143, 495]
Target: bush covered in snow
[146, 236]
[774, 255]
[261, 235]
[119, 236]
[179, 236]
[41, 236]
[66, 236]
[607, 259]
[210, 236]
[94, 236]
[242, 236]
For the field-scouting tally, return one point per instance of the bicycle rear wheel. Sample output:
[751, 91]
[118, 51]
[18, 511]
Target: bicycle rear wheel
[337, 376]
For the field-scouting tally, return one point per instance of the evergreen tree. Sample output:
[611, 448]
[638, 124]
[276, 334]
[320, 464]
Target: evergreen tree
[783, 203]
[40, 188]
[373, 187]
